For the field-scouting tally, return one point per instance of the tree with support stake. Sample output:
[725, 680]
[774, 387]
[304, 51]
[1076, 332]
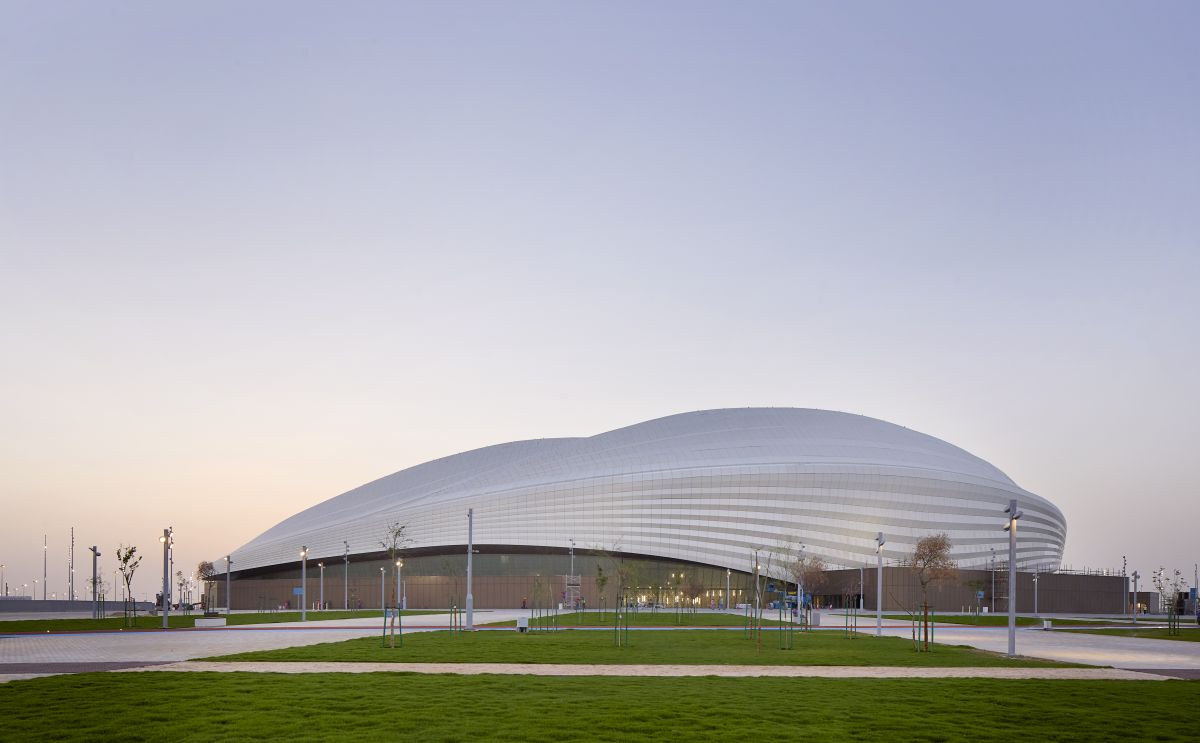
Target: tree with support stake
[394, 541]
[930, 562]
[205, 572]
[128, 561]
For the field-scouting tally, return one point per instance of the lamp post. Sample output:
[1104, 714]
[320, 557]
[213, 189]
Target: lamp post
[993, 580]
[470, 624]
[1035, 582]
[4, 577]
[346, 577]
[879, 542]
[1124, 587]
[303, 583]
[383, 596]
[95, 601]
[1135, 595]
[1010, 526]
[728, 573]
[165, 539]
[228, 591]
[399, 573]
[321, 583]
[171, 554]
[44, 583]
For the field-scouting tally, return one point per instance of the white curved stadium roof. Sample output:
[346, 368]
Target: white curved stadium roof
[707, 486]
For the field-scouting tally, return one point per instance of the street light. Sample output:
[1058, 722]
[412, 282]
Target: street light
[166, 539]
[399, 574]
[728, 573]
[95, 601]
[383, 596]
[1035, 582]
[470, 624]
[321, 604]
[228, 592]
[303, 583]
[403, 591]
[993, 580]
[1136, 603]
[1010, 526]
[346, 579]
[879, 542]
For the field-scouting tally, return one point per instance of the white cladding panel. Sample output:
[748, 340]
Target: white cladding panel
[709, 486]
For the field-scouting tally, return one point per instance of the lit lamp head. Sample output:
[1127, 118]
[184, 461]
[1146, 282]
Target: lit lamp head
[1013, 514]
[304, 551]
[399, 563]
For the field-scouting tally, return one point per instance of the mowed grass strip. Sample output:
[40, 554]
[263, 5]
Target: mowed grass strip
[1186, 634]
[644, 618]
[181, 621]
[654, 647]
[330, 707]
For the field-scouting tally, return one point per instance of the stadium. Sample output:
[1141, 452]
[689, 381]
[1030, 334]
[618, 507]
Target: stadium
[680, 506]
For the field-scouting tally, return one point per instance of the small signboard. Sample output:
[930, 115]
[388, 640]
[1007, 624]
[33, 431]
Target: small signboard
[297, 591]
[979, 595]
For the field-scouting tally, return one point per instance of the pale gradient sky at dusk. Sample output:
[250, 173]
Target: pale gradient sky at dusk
[256, 255]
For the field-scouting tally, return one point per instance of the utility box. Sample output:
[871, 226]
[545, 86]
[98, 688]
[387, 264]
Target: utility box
[1047, 624]
[522, 624]
[815, 619]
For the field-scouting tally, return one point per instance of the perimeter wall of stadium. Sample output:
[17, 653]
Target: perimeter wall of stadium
[504, 579]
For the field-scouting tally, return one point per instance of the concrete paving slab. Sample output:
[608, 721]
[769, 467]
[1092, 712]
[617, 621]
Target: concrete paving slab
[1074, 647]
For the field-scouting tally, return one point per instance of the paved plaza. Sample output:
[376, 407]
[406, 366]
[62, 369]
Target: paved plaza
[27, 656]
[39, 655]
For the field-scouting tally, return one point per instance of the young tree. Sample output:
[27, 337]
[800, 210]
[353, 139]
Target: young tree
[1169, 589]
[128, 561]
[601, 582]
[694, 590]
[395, 539]
[930, 562]
[808, 572]
[204, 572]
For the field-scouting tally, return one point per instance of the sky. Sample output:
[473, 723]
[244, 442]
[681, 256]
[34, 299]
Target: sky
[255, 255]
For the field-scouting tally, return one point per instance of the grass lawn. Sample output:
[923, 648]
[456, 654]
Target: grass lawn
[1001, 620]
[662, 618]
[691, 647]
[1187, 634]
[179, 620]
[413, 707]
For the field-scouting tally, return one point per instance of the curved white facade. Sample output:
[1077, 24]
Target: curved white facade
[708, 487]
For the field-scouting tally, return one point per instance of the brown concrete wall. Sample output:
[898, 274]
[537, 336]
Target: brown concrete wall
[1056, 592]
